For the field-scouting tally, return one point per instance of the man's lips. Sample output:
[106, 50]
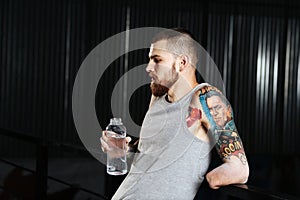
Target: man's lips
[153, 79]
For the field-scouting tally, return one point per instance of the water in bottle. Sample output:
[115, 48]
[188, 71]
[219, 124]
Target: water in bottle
[116, 154]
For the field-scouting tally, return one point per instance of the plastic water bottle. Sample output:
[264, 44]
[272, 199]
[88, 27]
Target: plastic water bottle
[116, 155]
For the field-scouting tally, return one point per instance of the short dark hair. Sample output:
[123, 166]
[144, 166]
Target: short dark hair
[180, 41]
[172, 32]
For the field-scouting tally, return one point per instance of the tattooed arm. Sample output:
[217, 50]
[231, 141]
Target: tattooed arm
[219, 122]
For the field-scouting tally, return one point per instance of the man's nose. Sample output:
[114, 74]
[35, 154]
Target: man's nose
[150, 67]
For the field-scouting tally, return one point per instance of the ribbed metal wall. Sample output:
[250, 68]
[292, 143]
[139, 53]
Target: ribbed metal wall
[291, 92]
[248, 48]
[43, 43]
[42, 46]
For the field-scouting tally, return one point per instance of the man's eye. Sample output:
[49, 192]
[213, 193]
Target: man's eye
[156, 60]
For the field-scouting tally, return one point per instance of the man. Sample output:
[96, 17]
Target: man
[180, 128]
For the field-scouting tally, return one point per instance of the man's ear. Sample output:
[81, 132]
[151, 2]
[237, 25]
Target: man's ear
[183, 62]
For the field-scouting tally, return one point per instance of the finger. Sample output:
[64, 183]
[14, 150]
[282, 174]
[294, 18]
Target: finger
[108, 143]
[104, 145]
[108, 133]
[104, 137]
[128, 139]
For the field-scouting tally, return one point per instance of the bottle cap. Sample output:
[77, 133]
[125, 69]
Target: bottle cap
[116, 121]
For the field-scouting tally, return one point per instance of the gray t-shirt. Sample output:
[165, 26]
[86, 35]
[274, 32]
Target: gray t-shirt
[172, 162]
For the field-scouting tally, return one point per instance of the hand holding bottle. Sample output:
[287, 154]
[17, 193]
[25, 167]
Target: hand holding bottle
[106, 142]
[113, 142]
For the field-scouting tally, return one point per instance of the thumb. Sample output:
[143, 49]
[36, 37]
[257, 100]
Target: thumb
[128, 139]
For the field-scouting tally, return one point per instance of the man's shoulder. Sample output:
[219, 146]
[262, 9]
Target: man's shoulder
[202, 91]
[204, 88]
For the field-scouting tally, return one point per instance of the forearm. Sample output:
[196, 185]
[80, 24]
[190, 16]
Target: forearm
[232, 171]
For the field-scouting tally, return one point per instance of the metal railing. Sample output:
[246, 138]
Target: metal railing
[41, 167]
[243, 191]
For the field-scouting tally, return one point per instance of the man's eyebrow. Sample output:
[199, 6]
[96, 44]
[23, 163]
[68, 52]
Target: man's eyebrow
[154, 56]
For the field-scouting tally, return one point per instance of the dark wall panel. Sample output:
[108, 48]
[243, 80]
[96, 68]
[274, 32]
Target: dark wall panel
[246, 47]
[255, 46]
[291, 93]
[43, 44]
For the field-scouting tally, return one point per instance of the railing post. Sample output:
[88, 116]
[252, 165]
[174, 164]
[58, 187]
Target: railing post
[41, 170]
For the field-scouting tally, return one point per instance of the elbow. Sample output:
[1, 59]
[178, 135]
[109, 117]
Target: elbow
[244, 175]
[241, 173]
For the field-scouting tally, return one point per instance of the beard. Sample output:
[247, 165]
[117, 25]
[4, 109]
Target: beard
[158, 90]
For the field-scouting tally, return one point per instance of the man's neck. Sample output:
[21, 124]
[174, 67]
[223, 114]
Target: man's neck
[180, 89]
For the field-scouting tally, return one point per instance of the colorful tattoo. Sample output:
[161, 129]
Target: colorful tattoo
[219, 113]
[229, 143]
[193, 115]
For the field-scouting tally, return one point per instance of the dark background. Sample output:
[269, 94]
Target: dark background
[255, 44]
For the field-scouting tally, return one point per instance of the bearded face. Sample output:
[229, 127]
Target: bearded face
[161, 68]
[160, 86]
